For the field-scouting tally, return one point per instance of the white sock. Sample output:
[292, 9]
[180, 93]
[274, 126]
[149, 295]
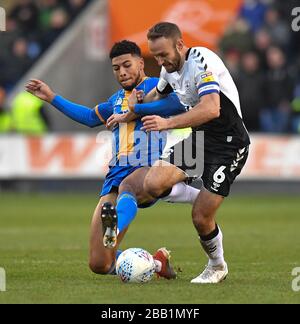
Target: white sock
[158, 265]
[214, 250]
[182, 193]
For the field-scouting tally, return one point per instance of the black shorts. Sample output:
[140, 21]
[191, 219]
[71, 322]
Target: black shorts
[218, 178]
[221, 161]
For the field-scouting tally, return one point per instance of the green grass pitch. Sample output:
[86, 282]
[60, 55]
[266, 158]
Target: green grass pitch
[44, 251]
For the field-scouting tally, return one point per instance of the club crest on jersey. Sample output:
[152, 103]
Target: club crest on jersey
[119, 102]
[207, 77]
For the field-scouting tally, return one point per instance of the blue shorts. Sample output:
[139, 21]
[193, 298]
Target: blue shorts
[115, 176]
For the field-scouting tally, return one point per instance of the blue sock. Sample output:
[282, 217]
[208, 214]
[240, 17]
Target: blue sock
[126, 210]
[118, 254]
[112, 270]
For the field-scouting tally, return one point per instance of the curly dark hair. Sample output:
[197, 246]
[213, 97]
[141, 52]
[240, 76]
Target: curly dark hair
[125, 47]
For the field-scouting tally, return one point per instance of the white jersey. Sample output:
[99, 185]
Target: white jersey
[204, 73]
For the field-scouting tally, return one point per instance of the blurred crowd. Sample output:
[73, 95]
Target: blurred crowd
[263, 54]
[31, 27]
[260, 49]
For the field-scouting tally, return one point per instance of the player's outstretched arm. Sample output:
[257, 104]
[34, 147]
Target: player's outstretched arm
[78, 113]
[166, 107]
[81, 114]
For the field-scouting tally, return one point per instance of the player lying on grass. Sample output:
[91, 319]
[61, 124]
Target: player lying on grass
[123, 186]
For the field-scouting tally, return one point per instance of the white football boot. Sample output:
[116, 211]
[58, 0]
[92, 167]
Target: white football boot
[212, 275]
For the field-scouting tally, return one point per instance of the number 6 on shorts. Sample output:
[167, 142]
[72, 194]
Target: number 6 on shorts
[219, 175]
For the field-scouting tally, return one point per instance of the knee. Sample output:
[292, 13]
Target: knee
[99, 267]
[153, 188]
[125, 187]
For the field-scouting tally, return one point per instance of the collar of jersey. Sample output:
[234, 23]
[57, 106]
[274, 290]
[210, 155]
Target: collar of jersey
[178, 74]
[187, 54]
[144, 79]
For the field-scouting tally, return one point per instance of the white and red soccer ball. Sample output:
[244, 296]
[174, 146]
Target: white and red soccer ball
[135, 265]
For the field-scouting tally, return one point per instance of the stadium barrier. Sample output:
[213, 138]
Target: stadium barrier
[83, 156]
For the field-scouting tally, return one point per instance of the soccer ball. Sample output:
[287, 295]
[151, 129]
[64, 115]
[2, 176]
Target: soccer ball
[135, 265]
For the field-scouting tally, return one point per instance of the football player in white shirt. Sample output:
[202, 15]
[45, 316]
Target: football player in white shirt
[202, 82]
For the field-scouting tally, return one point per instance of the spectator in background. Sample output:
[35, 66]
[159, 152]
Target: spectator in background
[296, 110]
[237, 37]
[253, 11]
[279, 93]
[74, 7]
[18, 62]
[5, 118]
[8, 38]
[28, 113]
[232, 60]
[46, 9]
[32, 26]
[278, 29]
[285, 8]
[6, 43]
[58, 22]
[294, 47]
[262, 42]
[25, 13]
[251, 84]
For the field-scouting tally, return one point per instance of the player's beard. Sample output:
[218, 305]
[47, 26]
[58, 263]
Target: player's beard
[137, 81]
[176, 64]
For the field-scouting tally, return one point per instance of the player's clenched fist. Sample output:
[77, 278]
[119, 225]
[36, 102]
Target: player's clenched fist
[137, 96]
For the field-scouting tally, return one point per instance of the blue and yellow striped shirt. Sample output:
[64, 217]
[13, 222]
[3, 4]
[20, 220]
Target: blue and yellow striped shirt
[132, 146]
